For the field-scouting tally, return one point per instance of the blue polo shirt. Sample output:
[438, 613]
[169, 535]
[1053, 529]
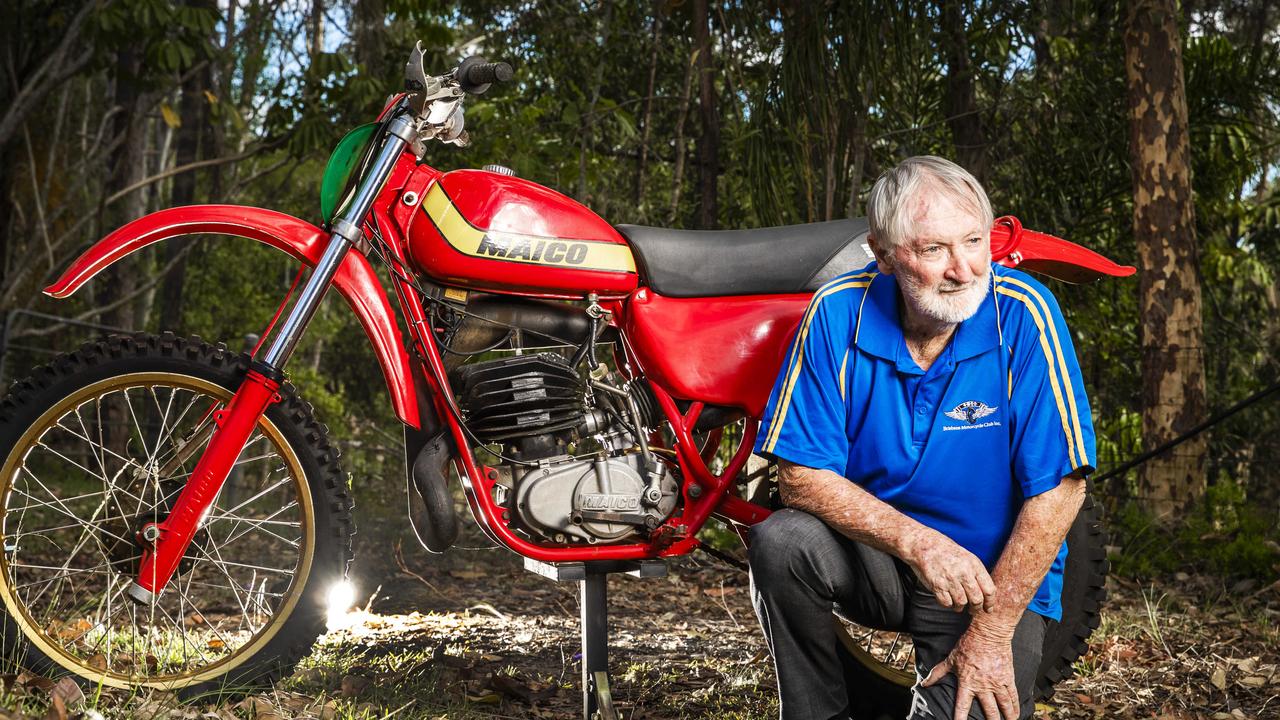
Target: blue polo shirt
[999, 417]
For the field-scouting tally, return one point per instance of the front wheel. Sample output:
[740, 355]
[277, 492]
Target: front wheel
[100, 442]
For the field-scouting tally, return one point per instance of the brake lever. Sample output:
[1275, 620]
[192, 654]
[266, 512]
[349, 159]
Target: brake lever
[424, 89]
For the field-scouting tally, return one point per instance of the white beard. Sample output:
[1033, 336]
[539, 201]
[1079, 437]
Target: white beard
[953, 306]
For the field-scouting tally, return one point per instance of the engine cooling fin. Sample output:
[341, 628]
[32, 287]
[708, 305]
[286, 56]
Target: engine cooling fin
[519, 396]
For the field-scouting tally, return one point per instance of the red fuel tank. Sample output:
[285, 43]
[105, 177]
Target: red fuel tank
[489, 231]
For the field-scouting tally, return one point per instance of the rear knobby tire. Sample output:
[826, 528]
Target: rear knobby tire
[880, 683]
[92, 445]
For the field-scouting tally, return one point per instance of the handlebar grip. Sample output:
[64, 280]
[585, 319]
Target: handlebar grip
[489, 73]
[475, 75]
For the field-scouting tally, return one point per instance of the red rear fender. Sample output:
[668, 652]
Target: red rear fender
[355, 279]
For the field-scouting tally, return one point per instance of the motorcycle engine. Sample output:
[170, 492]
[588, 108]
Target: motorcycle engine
[583, 472]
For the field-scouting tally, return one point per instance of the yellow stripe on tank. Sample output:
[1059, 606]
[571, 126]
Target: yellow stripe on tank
[516, 247]
[797, 360]
[1062, 364]
[1053, 373]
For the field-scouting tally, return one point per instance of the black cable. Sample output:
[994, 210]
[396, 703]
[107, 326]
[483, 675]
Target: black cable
[723, 557]
[1214, 420]
[481, 351]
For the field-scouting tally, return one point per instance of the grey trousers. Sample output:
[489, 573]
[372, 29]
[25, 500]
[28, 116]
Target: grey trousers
[802, 571]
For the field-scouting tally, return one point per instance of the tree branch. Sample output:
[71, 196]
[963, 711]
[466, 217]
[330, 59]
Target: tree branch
[189, 167]
[49, 75]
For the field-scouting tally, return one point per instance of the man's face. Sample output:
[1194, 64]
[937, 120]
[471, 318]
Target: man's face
[944, 268]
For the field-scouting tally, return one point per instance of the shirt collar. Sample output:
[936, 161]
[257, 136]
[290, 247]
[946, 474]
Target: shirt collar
[880, 331]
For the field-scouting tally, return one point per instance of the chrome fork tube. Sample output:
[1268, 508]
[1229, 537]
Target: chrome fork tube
[346, 232]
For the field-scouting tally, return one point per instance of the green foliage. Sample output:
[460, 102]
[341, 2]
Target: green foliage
[1226, 534]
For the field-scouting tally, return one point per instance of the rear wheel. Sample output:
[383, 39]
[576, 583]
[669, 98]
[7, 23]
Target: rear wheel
[100, 442]
[880, 666]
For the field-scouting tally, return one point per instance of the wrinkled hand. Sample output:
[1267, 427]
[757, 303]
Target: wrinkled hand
[955, 576]
[983, 666]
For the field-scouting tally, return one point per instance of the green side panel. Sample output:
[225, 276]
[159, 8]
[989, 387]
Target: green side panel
[337, 173]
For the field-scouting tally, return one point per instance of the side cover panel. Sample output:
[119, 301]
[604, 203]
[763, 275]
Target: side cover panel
[355, 279]
[722, 351]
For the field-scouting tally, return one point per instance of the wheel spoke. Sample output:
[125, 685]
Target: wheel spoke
[259, 526]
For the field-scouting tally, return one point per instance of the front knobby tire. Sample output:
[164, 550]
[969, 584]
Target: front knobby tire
[879, 667]
[100, 441]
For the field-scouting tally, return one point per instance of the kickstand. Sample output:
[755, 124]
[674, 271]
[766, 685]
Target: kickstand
[593, 582]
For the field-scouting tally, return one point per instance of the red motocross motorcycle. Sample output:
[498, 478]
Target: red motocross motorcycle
[174, 515]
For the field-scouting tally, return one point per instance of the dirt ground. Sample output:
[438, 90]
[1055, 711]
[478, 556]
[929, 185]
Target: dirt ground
[688, 646]
[471, 634]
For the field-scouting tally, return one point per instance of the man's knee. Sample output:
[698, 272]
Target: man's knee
[783, 542]
[938, 702]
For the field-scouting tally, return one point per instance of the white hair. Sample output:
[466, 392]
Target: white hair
[890, 207]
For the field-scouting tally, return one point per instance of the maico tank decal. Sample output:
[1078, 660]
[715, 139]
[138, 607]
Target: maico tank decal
[515, 247]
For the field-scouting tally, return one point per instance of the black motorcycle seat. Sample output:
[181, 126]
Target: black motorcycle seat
[767, 261]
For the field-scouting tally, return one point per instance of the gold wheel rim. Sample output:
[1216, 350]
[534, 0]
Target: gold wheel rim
[53, 640]
[893, 663]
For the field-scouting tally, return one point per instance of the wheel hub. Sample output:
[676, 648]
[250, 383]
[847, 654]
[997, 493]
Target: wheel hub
[124, 538]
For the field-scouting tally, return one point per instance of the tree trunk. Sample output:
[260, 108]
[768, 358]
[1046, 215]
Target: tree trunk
[646, 116]
[1173, 385]
[195, 118]
[709, 140]
[677, 172]
[961, 103]
[128, 166]
[316, 39]
[858, 141]
[589, 127]
[370, 33]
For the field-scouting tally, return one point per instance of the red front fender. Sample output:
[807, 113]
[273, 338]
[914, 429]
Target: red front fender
[355, 279]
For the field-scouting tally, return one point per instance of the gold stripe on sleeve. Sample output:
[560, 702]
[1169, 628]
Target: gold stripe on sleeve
[1068, 388]
[1053, 373]
[843, 364]
[797, 360]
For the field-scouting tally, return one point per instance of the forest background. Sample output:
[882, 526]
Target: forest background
[1143, 131]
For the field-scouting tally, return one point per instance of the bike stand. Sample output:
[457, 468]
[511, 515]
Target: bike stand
[593, 583]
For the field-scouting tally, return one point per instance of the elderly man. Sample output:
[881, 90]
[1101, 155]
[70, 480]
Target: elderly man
[932, 433]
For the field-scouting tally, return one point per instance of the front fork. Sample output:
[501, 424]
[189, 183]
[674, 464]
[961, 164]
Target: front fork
[165, 543]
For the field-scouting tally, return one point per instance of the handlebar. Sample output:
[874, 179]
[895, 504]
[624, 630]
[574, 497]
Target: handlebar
[474, 75]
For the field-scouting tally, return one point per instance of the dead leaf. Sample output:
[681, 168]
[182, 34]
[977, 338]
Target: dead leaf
[1252, 681]
[353, 685]
[485, 697]
[1084, 699]
[170, 116]
[256, 706]
[1219, 678]
[31, 680]
[511, 687]
[68, 692]
[311, 676]
[57, 710]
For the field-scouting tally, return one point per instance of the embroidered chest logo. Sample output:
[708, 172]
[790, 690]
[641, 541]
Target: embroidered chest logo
[970, 412]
